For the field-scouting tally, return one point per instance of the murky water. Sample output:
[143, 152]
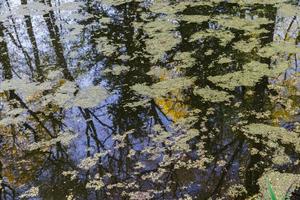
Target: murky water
[148, 99]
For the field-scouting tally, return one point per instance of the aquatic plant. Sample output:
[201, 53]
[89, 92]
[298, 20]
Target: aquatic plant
[149, 99]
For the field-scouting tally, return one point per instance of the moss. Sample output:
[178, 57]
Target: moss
[246, 46]
[278, 48]
[162, 88]
[195, 18]
[224, 60]
[236, 191]
[223, 35]
[282, 183]
[251, 74]
[272, 136]
[212, 95]
[162, 38]
[249, 25]
[63, 137]
[117, 70]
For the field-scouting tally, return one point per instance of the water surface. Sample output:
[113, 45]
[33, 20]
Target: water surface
[148, 99]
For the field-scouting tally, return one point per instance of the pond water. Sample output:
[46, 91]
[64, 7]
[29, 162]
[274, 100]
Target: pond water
[163, 99]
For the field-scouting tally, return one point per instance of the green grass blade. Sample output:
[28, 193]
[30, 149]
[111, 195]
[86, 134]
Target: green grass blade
[271, 191]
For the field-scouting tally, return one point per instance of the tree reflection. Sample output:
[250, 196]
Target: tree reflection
[154, 136]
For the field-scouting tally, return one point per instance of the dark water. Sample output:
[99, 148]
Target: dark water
[61, 44]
